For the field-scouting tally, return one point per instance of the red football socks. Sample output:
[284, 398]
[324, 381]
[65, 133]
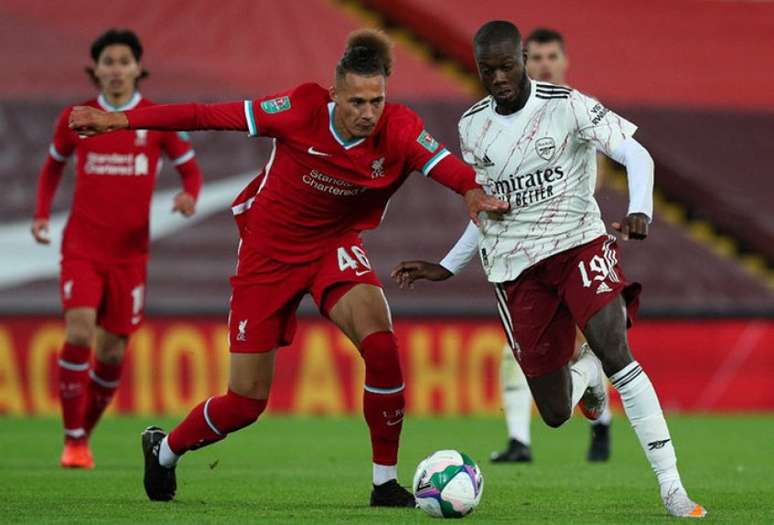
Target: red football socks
[73, 375]
[383, 396]
[212, 420]
[103, 382]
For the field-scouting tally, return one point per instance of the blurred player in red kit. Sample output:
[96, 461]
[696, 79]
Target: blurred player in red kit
[105, 242]
[339, 155]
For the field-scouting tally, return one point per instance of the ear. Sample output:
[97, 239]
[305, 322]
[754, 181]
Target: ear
[524, 55]
[332, 92]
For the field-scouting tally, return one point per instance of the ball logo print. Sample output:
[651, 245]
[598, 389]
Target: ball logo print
[448, 484]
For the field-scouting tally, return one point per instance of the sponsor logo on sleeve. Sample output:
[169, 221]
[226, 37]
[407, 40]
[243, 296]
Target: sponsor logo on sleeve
[598, 113]
[427, 141]
[276, 105]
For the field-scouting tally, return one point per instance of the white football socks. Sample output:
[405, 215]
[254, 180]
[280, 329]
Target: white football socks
[605, 419]
[167, 458]
[644, 412]
[517, 399]
[384, 473]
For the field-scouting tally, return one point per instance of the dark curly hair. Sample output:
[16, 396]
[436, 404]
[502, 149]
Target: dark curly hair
[368, 52]
[111, 37]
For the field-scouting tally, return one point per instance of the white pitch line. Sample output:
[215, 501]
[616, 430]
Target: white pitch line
[23, 260]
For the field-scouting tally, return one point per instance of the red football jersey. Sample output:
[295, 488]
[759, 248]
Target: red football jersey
[316, 185]
[115, 177]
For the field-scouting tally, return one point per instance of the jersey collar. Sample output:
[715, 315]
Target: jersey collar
[513, 116]
[131, 104]
[344, 143]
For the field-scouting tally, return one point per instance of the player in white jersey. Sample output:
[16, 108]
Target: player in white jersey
[546, 61]
[552, 263]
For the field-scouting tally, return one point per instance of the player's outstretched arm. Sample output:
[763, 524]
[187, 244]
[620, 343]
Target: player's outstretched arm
[166, 117]
[407, 272]
[463, 251]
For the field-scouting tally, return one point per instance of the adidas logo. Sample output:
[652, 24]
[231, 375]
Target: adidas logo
[487, 162]
[603, 288]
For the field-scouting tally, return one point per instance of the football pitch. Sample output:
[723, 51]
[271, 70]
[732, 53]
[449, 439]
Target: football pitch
[317, 470]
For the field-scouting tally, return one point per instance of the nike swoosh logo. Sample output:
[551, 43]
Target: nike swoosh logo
[313, 151]
[358, 274]
[393, 422]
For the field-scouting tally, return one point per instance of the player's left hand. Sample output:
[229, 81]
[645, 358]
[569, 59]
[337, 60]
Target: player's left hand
[478, 201]
[184, 203]
[634, 226]
[88, 121]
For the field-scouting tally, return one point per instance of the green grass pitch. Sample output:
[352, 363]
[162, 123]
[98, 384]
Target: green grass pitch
[317, 470]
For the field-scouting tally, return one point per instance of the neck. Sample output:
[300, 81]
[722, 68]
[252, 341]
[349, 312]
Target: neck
[338, 125]
[525, 88]
[117, 99]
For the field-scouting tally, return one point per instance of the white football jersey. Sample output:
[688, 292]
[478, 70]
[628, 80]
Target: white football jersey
[541, 159]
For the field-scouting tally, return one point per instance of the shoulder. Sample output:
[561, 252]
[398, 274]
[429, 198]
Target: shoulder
[548, 91]
[144, 103]
[401, 120]
[476, 108]
[309, 93]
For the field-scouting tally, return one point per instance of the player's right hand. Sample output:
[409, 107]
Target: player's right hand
[478, 201]
[409, 271]
[88, 121]
[40, 231]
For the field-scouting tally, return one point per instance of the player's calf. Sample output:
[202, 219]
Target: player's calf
[211, 421]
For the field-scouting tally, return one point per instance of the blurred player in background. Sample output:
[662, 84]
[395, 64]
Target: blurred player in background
[546, 61]
[552, 263]
[339, 154]
[105, 242]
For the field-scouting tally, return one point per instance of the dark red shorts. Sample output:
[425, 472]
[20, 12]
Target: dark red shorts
[542, 307]
[265, 298]
[116, 291]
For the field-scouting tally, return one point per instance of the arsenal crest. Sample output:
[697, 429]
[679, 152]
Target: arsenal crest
[545, 148]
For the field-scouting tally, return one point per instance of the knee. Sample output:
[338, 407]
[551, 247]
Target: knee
[111, 352]
[555, 417]
[382, 363]
[80, 331]
[252, 389]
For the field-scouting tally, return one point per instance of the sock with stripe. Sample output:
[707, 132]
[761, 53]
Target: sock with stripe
[209, 422]
[517, 399]
[383, 402]
[73, 376]
[644, 412]
[104, 379]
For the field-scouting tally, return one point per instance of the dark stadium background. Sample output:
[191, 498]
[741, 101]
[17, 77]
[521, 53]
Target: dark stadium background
[697, 77]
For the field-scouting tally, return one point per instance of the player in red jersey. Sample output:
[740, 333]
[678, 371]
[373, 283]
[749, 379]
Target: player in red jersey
[338, 156]
[105, 242]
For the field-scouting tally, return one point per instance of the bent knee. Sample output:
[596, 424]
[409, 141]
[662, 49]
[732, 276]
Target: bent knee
[80, 332]
[555, 417]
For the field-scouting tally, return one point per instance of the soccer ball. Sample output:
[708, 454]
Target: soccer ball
[448, 484]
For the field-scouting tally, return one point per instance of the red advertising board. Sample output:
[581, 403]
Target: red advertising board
[451, 366]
